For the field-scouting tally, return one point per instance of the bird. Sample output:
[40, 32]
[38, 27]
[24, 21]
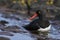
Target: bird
[38, 24]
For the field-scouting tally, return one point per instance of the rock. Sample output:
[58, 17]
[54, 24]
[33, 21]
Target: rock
[6, 33]
[16, 18]
[14, 29]
[4, 38]
[57, 17]
[3, 22]
[1, 26]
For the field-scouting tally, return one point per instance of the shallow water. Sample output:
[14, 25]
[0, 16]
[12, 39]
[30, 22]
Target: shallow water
[23, 34]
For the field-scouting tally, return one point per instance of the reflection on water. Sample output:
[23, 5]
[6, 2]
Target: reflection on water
[53, 34]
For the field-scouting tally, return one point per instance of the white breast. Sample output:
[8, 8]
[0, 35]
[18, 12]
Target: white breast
[45, 29]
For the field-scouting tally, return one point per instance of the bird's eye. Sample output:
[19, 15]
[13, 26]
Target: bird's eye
[39, 12]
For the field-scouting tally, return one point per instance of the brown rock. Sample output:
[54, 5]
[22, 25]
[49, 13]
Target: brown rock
[6, 33]
[4, 38]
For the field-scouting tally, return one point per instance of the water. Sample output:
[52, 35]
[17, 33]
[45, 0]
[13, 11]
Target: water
[54, 33]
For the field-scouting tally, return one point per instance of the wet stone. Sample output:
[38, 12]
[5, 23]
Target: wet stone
[12, 30]
[57, 17]
[4, 38]
[2, 26]
[52, 39]
[11, 16]
[15, 29]
[3, 22]
[12, 27]
[6, 33]
[6, 15]
[17, 18]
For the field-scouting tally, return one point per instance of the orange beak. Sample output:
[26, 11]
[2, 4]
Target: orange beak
[34, 16]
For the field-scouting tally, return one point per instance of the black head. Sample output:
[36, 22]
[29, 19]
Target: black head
[39, 12]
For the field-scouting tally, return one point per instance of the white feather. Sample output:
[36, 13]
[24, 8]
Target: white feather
[45, 29]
